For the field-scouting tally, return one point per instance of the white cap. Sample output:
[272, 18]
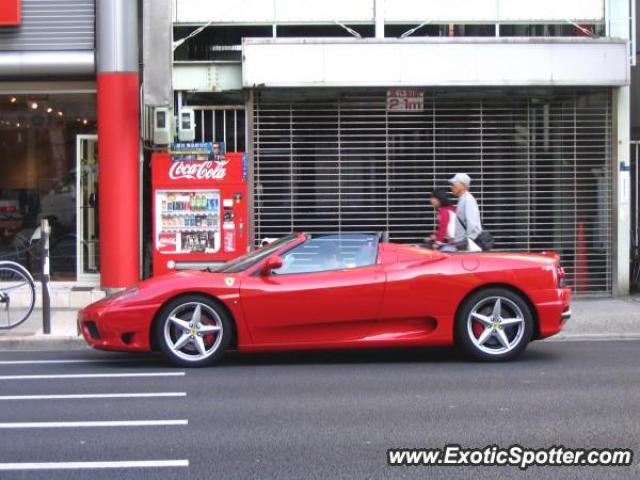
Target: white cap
[461, 178]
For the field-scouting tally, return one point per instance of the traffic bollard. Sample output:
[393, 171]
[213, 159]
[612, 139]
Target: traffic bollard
[44, 277]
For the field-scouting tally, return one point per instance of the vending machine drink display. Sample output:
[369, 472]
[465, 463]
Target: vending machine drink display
[199, 208]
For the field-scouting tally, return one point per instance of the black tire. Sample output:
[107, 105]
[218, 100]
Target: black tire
[483, 304]
[166, 330]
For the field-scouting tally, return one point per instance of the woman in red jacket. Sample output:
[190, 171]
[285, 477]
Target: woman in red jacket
[446, 218]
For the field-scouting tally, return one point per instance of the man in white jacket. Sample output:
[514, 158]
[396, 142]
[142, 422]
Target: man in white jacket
[468, 224]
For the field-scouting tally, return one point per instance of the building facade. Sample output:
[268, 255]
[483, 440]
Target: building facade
[354, 112]
[349, 112]
[48, 125]
[61, 63]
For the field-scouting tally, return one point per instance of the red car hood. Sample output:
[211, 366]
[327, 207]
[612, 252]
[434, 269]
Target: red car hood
[157, 289]
[193, 278]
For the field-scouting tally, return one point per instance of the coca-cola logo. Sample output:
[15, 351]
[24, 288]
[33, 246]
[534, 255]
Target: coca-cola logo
[198, 170]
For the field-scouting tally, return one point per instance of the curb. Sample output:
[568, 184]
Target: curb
[593, 337]
[43, 343]
[72, 342]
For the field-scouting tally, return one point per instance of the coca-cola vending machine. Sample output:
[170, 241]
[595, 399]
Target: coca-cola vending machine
[199, 207]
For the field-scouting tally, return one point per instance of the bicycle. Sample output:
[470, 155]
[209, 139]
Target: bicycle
[17, 294]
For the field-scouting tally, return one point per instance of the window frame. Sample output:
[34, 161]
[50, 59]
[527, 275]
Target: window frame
[257, 264]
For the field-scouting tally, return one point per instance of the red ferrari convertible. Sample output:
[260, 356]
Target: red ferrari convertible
[338, 291]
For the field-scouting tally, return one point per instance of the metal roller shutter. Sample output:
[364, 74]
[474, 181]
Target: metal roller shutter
[52, 25]
[540, 163]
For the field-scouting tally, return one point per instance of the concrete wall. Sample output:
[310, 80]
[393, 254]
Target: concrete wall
[395, 11]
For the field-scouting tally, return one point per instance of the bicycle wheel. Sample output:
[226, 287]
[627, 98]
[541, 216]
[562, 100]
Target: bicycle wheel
[17, 295]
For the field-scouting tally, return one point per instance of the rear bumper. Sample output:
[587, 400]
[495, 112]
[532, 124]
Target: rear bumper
[553, 309]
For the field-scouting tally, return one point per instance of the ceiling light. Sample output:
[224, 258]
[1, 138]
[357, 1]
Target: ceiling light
[14, 99]
[60, 114]
[49, 110]
[34, 105]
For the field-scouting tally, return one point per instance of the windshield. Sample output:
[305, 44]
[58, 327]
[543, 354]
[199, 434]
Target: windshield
[324, 252]
[240, 264]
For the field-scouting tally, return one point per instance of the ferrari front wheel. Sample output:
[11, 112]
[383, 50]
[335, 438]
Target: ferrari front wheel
[193, 331]
[494, 324]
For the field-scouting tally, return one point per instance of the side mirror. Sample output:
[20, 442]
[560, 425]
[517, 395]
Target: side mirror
[270, 264]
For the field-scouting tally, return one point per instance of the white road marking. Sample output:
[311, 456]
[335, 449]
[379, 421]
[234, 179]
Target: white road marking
[71, 360]
[93, 395]
[108, 423]
[92, 375]
[94, 465]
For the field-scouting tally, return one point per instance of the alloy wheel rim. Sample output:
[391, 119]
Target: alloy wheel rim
[193, 331]
[496, 325]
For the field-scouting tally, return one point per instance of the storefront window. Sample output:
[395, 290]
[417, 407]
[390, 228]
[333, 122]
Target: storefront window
[44, 141]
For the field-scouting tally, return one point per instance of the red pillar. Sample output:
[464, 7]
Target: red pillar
[118, 178]
[118, 142]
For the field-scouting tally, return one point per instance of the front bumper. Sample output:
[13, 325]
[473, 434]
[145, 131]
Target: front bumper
[117, 328]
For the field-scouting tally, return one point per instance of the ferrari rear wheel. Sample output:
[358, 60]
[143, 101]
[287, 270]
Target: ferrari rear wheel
[193, 331]
[495, 324]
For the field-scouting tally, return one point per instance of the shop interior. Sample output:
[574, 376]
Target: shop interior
[45, 140]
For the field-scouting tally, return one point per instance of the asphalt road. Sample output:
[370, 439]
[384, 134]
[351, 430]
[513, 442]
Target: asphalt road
[313, 416]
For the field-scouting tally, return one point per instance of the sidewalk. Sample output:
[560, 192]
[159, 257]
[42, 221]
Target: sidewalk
[603, 318]
[29, 336]
[592, 319]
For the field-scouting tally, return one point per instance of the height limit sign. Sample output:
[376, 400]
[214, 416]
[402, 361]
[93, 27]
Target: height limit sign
[403, 99]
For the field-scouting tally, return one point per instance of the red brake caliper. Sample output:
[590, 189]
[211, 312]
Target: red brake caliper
[477, 328]
[209, 339]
